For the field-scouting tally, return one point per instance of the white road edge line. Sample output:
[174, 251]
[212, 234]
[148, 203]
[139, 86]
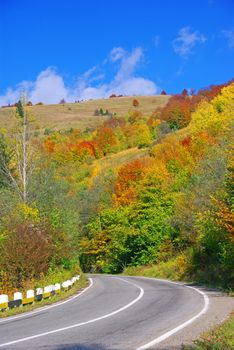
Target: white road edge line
[43, 308]
[82, 323]
[181, 326]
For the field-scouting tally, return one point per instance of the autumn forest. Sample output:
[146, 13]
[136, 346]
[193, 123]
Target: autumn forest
[136, 191]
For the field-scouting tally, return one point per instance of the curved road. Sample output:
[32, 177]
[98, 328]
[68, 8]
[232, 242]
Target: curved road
[112, 313]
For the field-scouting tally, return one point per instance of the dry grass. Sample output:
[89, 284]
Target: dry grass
[81, 115]
[116, 160]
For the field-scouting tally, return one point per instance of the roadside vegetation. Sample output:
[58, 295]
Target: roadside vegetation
[219, 338]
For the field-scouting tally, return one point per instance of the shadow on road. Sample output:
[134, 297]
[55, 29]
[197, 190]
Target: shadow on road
[101, 347]
[80, 347]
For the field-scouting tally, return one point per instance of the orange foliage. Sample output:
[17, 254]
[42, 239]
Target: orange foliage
[153, 122]
[135, 103]
[213, 90]
[172, 149]
[70, 146]
[85, 147]
[128, 176]
[187, 141]
[49, 145]
[178, 110]
[106, 139]
[226, 219]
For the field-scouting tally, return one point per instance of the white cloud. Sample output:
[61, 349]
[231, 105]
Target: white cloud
[229, 34]
[89, 72]
[117, 53]
[128, 65]
[49, 87]
[124, 82]
[11, 96]
[134, 86]
[186, 41]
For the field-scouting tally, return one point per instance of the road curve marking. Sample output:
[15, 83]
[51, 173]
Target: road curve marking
[82, 323]
[43, 308]
[181, 326]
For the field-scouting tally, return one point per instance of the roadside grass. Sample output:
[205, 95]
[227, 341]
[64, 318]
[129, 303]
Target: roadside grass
[219, 338]
[178, 269]
[78, 286]
[81, 115]
[174, 269]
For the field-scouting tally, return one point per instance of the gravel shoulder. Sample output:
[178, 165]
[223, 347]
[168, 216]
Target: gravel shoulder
[220, 307]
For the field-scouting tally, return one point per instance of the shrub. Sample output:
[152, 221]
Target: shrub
[135, 103]
[26, 252]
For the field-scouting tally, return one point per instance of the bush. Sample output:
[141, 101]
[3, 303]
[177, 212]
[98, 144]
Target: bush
[26, 252]
[135, 103]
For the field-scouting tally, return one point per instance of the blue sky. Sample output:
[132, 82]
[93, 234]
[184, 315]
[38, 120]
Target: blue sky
[87, 49]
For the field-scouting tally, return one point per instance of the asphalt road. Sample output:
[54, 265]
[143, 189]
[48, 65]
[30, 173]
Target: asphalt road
[113, 313]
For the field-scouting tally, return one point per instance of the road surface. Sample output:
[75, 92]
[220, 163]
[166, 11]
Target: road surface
[114, 312]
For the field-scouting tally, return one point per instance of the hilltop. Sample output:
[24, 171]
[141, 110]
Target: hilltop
[81, 115]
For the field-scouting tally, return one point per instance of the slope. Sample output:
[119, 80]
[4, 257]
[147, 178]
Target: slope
[81, 115]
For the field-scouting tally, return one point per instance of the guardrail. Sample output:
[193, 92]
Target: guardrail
[31, 296]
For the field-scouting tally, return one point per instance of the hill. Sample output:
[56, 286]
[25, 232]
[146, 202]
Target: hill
[81, 115]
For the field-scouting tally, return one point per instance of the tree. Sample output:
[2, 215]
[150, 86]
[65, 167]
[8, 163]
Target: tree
[26, 252]
[163, 92]
[20, 108]
[18, 164]
[184, 93]
[177, 111]
[106, 140]
[135, 103]
[4, 158]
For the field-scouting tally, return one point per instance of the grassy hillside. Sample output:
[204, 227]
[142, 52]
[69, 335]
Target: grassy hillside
[81, 115]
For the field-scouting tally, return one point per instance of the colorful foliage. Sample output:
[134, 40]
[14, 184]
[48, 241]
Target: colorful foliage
[177, 196]
[106, 139]
[165, 203]
[128, 176]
